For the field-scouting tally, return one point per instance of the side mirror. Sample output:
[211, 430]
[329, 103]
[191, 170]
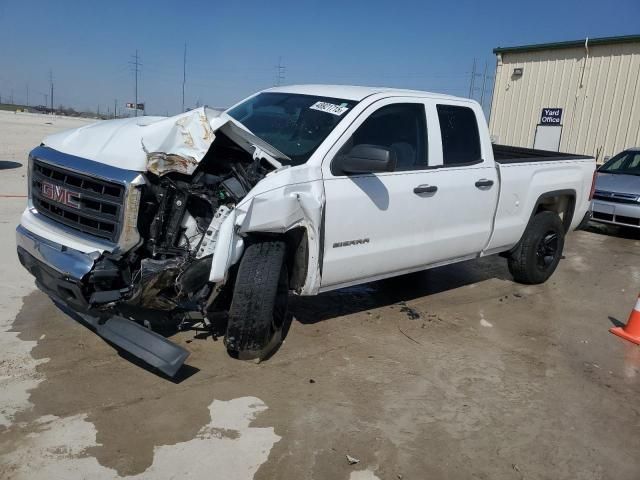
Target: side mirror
[365, 159]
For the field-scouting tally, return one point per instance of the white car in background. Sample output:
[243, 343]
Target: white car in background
[616, 199]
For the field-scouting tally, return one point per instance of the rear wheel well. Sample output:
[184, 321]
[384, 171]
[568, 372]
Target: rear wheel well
[561, 203]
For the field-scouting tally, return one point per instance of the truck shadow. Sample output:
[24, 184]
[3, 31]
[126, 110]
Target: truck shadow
[337, 303]
[346, 301]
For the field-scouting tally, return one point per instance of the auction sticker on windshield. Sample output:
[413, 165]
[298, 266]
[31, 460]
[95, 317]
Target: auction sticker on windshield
[330, 108]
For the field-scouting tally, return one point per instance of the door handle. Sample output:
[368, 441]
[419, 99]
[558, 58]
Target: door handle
[425, 189]
[484, 183]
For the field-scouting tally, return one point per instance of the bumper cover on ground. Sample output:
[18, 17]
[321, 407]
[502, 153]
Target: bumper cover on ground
[59, 271]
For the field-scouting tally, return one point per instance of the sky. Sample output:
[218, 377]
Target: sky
[234, 47]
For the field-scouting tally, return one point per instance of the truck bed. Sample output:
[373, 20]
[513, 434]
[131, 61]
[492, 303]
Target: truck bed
[508, 154]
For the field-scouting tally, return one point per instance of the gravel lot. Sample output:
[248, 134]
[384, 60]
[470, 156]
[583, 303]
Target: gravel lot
[452, 373]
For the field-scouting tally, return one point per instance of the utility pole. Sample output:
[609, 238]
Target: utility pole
[27, 94]
[473, 78]
[184, 74]
[12, 97]
[136, 64]
[115, 108]
[51, 82]
[484, 84]
[280, 71]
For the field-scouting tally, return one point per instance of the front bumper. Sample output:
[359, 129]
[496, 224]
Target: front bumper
[59, 272]
[58, 269]
[622, 214]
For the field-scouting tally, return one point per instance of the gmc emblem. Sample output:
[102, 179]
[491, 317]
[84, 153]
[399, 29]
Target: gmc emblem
[60, 194]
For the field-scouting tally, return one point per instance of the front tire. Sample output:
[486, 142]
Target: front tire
[536, 257]
[260, 300]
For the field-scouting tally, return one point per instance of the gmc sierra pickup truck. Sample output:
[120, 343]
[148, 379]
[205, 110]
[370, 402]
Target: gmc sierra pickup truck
[299, 189]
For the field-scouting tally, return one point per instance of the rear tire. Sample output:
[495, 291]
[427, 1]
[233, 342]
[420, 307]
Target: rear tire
[536, 257]
[260, 300]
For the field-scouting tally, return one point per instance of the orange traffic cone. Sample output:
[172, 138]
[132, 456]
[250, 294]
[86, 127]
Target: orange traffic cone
[631, 331]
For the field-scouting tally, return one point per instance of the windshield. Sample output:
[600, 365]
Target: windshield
[627, 163]
[294, 124]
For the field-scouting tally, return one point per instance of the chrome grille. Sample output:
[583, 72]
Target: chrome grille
[93, 206]
[615, 197]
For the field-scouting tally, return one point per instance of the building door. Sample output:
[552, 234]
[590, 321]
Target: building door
[548, 137]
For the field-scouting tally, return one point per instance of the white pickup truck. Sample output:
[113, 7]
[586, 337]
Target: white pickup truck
[298, 189]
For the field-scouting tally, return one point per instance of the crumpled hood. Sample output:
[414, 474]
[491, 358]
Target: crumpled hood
[618, 183]
[158, 144]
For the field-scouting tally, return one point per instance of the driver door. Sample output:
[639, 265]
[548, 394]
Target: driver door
[372, 221]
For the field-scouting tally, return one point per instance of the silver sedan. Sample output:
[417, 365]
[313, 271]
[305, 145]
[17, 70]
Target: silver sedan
[616, 199]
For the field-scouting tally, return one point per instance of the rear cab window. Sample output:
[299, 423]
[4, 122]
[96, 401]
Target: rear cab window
[460, 136]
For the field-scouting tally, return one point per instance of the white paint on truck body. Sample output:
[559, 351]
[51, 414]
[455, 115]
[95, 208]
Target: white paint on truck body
[384, 227]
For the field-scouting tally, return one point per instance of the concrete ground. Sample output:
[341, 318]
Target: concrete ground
[452, 373]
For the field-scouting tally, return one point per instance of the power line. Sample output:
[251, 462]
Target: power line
[51, 83]
[484, 83]
[280, 71]
[184, 74]
[472, 88]
[136, 64]
[473, 78]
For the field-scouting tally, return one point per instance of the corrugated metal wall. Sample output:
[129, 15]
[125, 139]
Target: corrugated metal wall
[599, 95]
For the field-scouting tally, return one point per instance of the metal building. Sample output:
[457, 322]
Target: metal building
[580, 97]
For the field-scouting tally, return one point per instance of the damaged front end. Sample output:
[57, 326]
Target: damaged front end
[180, 220]
[195, 178]
[173, 229]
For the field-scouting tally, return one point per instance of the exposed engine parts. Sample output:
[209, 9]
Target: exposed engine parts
[179, 220]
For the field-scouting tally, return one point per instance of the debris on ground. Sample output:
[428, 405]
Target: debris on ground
[352, 460]
[411, 313]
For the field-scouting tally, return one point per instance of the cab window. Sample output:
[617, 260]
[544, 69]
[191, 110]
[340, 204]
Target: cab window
[400, 127]
[460, 136]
